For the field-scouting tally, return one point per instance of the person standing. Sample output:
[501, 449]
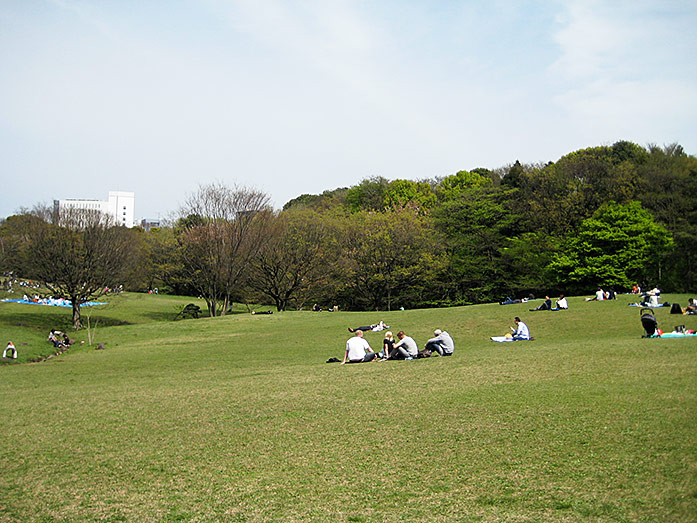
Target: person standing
[358, 350]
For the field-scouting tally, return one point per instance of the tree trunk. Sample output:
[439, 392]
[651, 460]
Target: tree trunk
[77, 319]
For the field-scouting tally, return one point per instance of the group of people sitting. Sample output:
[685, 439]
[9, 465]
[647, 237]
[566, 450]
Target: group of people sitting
[47, 300]
[560, 305]
[59, 339]
[602, 295]
[358, 350]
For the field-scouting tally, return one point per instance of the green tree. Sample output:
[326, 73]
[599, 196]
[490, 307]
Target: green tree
[389, 259]
[668, 188]
[452, 186]
[527, 258]
[369, 195]
[476, 225]
[418, 196]
[616, 247]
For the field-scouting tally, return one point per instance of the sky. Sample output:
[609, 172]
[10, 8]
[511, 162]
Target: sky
[297, 97]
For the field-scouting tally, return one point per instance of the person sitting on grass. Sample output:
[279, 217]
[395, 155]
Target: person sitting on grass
[377, 327]
[10, 351]
[599, 295]
[651, 298]
[358, 350]
[56, 342]
[544, 306]
[441, 345]
[387, 346]
[521, 332]
[562, 304]
[405, 349]
[691, 306]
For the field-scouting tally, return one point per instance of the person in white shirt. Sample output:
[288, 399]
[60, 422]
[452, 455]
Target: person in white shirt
[358, 350]
[654, 295]
[11, 350]
[562, 303]
[521, 332]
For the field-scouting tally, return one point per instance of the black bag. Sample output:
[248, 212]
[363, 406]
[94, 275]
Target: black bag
[675, 309]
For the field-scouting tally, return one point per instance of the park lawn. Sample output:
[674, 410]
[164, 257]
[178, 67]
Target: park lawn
[239, 418]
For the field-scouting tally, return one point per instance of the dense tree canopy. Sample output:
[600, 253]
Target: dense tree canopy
[610, 215]
[618, 246]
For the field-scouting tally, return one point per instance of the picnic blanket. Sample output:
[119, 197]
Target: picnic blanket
[674, 335]
[648, 305]
[501, 339]
[54, 304]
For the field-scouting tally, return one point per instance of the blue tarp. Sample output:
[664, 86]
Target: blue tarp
[66, 304]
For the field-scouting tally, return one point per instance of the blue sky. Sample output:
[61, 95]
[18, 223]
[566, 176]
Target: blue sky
[295, 97]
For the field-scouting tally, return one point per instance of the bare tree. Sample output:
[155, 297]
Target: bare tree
[78, 256]
[294, 259]
[221, 233]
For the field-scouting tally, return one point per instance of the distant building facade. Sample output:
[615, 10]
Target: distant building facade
[120, 206]
[150, 224]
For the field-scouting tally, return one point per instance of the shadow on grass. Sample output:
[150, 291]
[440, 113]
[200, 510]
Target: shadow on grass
[42, 321]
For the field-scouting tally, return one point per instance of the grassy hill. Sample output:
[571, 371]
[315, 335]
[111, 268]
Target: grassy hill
[239, 418]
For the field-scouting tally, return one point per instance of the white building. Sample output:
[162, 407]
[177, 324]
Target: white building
[120, 205]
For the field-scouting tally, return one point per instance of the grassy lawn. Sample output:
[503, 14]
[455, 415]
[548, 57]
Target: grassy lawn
[239, 418]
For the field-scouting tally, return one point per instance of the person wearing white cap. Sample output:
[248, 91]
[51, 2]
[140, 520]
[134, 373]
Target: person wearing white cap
[442, 344]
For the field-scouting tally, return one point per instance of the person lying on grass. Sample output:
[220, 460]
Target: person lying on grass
[377, 327]
[358, 350]
[56, 342]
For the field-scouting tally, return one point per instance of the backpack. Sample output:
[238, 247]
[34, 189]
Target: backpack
[675, 309]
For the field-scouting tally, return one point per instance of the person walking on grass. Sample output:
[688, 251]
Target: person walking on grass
[358, 350]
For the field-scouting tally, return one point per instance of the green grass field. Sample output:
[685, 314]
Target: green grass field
[239, 418]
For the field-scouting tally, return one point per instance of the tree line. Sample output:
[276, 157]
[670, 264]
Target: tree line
[606, 216]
